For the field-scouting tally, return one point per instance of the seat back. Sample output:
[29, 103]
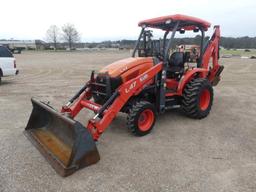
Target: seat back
[177, 61]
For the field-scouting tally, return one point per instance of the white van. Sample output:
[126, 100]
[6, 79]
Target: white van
[7, 63]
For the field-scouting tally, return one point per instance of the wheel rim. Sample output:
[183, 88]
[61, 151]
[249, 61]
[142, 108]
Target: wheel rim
[205, 98]
[146, 120]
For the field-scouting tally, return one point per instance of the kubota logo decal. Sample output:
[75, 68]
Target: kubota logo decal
[94, 107]
[127, 90]
[144, 77]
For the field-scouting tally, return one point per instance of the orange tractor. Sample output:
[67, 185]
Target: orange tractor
[145, 85]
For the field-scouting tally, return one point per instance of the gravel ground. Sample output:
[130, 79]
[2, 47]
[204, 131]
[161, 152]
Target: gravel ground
[181, 154]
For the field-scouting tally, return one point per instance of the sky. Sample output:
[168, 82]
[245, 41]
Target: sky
[98, 20]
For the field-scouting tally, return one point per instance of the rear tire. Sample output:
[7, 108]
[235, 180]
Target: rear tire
[197, 98]
[141, 118]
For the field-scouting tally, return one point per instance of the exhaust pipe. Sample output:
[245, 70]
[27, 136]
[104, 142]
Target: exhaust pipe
[65, 143]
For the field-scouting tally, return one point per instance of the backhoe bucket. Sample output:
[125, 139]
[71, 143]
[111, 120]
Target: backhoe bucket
[64, 142]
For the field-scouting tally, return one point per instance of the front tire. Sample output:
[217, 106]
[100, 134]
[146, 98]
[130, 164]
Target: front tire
[197, 98]
[141, 118]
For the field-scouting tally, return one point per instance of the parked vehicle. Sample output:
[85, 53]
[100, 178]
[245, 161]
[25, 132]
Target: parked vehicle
[7, 63]
[16, 49]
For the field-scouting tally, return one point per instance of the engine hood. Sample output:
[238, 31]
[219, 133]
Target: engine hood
[119, 68]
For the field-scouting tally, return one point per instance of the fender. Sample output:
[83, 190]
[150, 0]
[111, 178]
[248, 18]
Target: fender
[188, 76]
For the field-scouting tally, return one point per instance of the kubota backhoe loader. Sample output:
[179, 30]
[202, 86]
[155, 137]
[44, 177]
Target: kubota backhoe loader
[154, 79]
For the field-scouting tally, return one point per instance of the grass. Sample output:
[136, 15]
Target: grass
[240, 52]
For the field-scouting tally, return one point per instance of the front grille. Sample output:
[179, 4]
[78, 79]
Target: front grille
[104, 85]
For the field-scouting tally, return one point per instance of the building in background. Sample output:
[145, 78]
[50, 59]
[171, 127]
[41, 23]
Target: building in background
[18, 45]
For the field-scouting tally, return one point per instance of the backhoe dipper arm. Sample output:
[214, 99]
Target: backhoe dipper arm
[212, 51]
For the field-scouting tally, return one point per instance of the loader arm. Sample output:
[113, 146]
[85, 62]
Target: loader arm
[107, 112]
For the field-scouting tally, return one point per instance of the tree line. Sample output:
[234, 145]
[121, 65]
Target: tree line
[226, 42]
[69, 34]
[239, 42]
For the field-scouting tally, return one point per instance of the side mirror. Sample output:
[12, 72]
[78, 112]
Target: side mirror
[196, 30]
[182, 31]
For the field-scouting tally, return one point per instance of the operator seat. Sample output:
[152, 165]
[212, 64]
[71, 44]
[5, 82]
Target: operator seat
[176, 65]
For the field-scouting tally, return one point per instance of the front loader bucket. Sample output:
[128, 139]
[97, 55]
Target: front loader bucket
[64, 142]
